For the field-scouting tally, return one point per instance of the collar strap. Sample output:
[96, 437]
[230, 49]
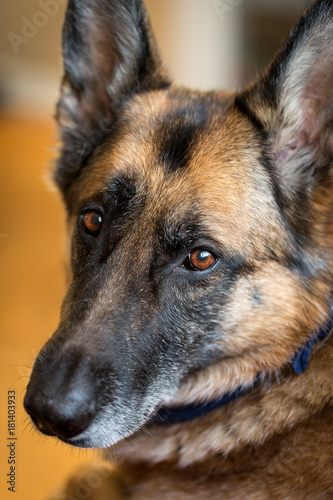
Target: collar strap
[301, 359]
[185, 413]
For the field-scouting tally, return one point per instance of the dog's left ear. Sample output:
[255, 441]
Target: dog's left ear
[293, 105]
[109, 55]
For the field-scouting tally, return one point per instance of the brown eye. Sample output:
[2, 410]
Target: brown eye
[91, 222]
[200, 260]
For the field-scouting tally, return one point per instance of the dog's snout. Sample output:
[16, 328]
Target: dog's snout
[64, 416]
[60, 397]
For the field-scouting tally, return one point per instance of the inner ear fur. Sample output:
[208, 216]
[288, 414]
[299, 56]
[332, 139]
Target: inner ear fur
[293, 103]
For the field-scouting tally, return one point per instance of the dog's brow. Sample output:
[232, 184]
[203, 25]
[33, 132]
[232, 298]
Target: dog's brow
[121, 186]
[180, 237]
[175, 237]
[118, 191]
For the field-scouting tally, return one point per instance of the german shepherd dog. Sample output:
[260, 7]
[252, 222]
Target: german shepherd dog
[194, 342]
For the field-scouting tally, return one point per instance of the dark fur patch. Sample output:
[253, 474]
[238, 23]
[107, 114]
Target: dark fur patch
[177, 134]
[122, 190]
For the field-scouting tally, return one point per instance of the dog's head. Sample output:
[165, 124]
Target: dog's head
[200, 223]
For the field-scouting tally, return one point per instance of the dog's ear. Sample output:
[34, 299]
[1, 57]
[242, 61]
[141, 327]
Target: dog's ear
[109, 54]
[293, 105]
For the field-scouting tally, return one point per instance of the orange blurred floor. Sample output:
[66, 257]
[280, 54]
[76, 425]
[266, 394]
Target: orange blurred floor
[31, 287]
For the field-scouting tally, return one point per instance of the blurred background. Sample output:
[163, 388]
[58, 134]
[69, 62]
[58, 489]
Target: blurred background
[205, 44]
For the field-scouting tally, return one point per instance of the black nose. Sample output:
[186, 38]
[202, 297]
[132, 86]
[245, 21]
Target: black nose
[64, 415]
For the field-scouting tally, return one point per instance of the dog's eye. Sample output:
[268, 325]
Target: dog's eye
[91, 222]
[200, 260]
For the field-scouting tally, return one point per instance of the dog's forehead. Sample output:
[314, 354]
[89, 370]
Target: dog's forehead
[186, 148]
[175, 138]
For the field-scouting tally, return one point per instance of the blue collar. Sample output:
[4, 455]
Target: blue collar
[180, 414]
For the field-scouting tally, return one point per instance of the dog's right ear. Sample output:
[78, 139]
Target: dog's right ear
[109, 54]
[291, 105]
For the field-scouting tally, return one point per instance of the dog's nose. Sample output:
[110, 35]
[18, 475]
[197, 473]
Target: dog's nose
[64, 416]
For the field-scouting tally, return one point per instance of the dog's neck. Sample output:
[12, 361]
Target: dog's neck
[184, 413]
[260, 411]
